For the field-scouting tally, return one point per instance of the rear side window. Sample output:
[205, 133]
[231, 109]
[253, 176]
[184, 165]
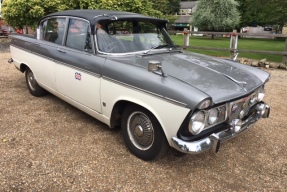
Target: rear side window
[53, 30]
[79, 36]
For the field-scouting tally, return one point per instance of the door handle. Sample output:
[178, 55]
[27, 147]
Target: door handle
[60, 50]
[36, 44]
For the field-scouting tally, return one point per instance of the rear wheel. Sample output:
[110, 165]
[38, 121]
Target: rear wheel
[143, 134]
[33, 87]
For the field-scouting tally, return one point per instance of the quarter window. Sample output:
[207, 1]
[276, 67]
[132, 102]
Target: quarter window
[79, 36]
[53, 30]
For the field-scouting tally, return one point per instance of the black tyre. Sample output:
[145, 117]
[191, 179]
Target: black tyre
[143, 134]
[32, 84]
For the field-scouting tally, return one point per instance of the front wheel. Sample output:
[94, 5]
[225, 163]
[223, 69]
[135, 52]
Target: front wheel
[143, 134]
[33, 87]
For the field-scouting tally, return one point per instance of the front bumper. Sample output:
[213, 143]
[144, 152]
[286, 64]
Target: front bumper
[214, 140]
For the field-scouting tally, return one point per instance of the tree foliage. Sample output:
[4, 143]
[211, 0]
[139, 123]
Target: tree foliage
[258, 12]
[216, 15]
[167, 7]
[174, 7]
[27, 12]
[19, 13]
[136, 6]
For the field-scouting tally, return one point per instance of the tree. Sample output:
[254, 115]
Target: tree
[19, 13]
[136, 6]
[258, 12]
[174, 7]
[216, 15]
[167, 7]
[161, 5]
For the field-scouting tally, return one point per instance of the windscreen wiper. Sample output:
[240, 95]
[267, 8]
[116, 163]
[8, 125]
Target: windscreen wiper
[161, 46]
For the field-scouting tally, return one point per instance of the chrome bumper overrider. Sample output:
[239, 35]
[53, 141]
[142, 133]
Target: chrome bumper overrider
[214, 140]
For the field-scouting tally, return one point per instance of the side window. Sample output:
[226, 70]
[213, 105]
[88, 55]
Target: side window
[79, 36]
[53, 30]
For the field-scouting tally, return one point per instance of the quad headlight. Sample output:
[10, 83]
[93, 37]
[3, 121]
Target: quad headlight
[212, 116]
[205, 119]
[197, 122]
[208, 117]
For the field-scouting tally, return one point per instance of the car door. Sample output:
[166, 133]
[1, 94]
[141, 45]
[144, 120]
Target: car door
[44, 49]
[78, 70]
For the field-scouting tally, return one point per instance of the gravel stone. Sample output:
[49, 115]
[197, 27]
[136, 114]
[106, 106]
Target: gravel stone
[48, 145]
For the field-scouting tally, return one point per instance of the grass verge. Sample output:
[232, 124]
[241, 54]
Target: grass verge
[243, 43]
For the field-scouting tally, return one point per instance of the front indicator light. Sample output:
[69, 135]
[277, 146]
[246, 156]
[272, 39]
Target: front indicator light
[260, 94]
[196, 123]
[253, 99]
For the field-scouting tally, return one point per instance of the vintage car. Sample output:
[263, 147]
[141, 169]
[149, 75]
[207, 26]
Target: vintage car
[139, 80]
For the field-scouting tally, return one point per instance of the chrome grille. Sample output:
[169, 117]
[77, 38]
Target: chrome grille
[239, 108]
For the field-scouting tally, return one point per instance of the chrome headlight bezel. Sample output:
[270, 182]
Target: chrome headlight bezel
[195, 128]
[204, 104]
[212, 117]
[197, 122]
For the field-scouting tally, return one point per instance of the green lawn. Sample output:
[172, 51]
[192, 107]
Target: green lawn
[243, 43]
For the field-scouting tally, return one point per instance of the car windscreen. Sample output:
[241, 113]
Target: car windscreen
[130, 36]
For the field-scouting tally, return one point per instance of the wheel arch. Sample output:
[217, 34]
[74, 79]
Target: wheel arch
[23, 67]
[119, 107]
[117, 111]
[115, 97]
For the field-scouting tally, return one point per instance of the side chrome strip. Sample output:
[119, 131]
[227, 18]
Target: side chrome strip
[48, 58]
[59, 62]
[109, 79]
[146, 92]
[78, 68]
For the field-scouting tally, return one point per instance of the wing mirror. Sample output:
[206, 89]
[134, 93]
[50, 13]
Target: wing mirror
[155, 66]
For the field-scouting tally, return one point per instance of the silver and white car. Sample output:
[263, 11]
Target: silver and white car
[123, 69]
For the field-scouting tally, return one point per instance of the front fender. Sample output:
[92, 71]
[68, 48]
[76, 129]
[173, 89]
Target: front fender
[169, 114]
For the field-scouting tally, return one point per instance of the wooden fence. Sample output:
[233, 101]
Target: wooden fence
[234, 42]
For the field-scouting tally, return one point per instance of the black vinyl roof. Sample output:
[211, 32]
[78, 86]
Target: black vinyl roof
[96, 15]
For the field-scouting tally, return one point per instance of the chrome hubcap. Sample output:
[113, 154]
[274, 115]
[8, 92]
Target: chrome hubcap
[31, 80]
[140, 130]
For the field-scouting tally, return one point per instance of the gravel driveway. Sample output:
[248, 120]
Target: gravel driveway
[48, 145]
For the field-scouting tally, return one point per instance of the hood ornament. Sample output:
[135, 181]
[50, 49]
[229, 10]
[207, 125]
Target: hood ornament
[241, 83]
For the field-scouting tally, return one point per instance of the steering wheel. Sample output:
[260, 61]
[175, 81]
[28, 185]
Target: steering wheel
[116, 44]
